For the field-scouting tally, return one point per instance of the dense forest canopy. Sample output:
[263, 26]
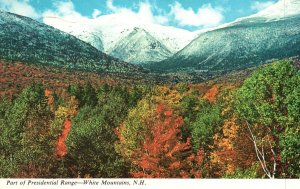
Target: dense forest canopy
[209, 130]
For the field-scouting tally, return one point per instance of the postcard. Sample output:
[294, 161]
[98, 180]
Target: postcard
[149, 94]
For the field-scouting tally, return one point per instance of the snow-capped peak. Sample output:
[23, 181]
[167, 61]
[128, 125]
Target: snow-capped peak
[113, 28]
[281, 9]
[140, 47]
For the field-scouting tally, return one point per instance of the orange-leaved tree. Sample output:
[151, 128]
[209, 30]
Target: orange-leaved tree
[211, 94]
[62, 124]
[163, 154]
[232, 154]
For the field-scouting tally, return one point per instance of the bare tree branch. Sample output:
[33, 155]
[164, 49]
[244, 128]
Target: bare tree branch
[261, 155]
[274, 159]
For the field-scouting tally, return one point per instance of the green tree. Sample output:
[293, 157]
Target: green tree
[92, 137]
[205, 126]
[269, 103]
[86, 95]
[25, 136]
[133, 130]
[91, 144]
[190, 106]
[290, 144]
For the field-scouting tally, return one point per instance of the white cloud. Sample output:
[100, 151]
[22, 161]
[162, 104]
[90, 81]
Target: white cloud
[96, 13]
[110, 5]
[21, 7]
[65, 10]
[206, 16]
[259, 6]
[144, 13]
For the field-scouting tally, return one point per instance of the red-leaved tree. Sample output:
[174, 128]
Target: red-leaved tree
[163, 154]
[61, 148]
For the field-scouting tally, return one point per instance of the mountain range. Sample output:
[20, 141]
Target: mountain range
[108, 45]
[29, 41]
[272, 33]
[159, 41]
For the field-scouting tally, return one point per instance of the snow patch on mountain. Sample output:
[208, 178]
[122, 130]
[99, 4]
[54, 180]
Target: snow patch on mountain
[273, 33]
[281, 9]
[85, 32]
[105, 32]
[112, 29]
[139, 46]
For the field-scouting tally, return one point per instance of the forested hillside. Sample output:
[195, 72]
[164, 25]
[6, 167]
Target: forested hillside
[91, 128]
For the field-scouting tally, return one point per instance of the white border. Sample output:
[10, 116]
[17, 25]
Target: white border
[156, 184]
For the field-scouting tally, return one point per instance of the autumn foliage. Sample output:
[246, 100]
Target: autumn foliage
[61, 148]
[211, 94]
[163, 154]
[56, 123]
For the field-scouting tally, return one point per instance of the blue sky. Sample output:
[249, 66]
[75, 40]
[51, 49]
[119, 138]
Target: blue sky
[186, 14]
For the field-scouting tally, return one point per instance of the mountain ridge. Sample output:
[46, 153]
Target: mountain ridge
[42, 44]
[244, 43]
[113, 29]
[212, 48]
